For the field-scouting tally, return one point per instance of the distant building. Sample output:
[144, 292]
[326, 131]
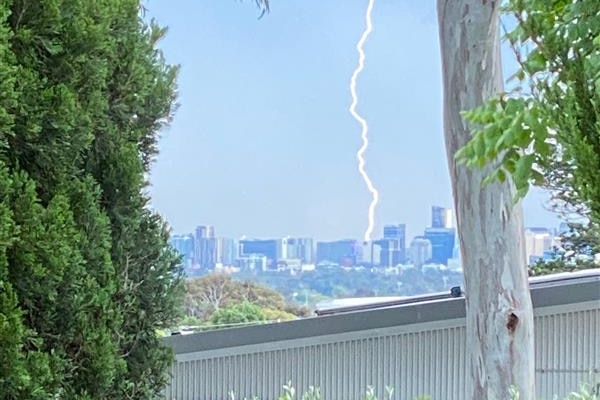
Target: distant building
[253, 262]
[205, 247]
[420, 251]
[390, 253]
[342, 252]
[270, 248]
[393, 245]
[184, 244]
[289, 264]
[297, 248]
[370, 254]
[441, 217]
[442, 244]
[205, 231]
[227, 251]
[538, 243]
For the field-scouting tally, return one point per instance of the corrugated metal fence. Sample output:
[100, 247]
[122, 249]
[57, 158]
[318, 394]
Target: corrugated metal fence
[418, 349]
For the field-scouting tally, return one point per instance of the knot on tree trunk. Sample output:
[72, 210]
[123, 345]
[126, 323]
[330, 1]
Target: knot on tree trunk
[513, 320]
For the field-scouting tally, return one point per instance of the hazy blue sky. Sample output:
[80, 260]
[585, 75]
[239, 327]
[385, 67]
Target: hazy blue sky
[263, 145]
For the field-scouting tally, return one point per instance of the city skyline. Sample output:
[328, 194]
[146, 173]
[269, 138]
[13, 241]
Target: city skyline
[437, 245]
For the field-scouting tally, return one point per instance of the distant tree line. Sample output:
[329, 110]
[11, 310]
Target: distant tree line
[218, 300]
[310, 287]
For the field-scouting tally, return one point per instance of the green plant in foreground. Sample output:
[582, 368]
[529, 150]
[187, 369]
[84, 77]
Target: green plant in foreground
[314, 393]
[585, 393]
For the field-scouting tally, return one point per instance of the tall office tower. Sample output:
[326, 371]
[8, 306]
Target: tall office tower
[184, 244]
[227, 251]
[392, 245]
[205, 247]
[205, 231]
[442, 244]
[306, 250]
[370, 254]
[297, 248]
[441, 217]
[538, 243]
[420, 251]
[345, 252]
[270, 248]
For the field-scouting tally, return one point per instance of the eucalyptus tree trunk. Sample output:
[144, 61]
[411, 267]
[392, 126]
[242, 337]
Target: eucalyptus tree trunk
[490, 228]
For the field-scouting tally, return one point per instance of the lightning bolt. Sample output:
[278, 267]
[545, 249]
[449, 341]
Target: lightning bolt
[360, 155]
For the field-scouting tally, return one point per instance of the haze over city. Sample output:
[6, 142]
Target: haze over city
[263, 144]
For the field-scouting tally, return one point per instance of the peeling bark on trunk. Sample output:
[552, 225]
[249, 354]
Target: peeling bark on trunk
[499, 310]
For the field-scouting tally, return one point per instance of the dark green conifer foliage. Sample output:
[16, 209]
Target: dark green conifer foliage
[86, 272]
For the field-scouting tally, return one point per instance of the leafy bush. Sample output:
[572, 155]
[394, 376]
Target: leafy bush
[277, 315]
[238, 314]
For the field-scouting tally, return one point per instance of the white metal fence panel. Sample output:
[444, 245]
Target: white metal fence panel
[567, 350]
[417, 360]
[415, 363]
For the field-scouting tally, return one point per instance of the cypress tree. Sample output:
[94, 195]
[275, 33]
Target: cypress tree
[86, 273]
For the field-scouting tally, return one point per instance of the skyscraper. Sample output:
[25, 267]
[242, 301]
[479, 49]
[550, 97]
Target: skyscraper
[538, 243]
[392, 245]
[205, 231]
[297, 248]
[205, 247]
[442, 244]
[420, 251]
[227, 251]
[441, 217]
[306, 250]
[184, 244]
